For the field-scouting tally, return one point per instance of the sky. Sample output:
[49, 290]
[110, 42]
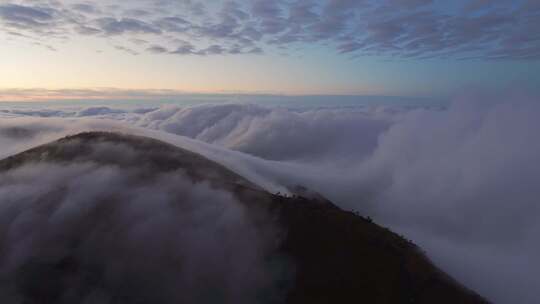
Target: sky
[127, 49]
[459, 180]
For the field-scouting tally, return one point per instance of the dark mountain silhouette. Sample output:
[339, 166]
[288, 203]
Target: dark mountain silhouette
[325, 254]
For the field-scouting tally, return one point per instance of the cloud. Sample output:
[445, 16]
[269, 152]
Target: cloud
[487, 30]
[19, 132]
[153, 236]
[24, 17]
[112, 26]
[275, 134]
[87, 8]
[157, 49]
[174, 24]
[94, 111]
[460, 181]
[410, 4]
[126, 49]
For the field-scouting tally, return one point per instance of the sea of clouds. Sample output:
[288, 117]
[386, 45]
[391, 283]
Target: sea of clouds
[461, 181]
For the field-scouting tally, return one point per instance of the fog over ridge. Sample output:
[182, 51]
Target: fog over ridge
[461, 182]
[135, 233]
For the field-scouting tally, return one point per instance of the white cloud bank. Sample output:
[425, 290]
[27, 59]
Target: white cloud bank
[461, 182]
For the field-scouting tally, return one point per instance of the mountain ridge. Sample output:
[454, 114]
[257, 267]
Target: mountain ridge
[334, 256]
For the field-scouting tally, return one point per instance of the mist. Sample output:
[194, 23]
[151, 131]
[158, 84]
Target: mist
[460, 181]
[136, 234]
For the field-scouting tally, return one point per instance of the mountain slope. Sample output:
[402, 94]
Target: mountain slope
[313, 252]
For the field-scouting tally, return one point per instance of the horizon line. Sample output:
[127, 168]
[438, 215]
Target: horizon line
[112, 93]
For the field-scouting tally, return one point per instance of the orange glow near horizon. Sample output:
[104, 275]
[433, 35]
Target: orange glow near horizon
[43, 95]
[77, 66]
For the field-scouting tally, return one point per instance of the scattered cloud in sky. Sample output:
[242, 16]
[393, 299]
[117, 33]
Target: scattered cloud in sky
[496, 29]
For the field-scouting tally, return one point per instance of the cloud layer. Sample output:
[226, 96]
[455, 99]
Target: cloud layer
[459, 181]
[463, 183]
[495, 29]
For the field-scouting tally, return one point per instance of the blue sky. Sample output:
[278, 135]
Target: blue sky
[428, 48]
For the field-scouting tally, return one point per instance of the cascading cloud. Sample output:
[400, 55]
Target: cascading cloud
[462, 182]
